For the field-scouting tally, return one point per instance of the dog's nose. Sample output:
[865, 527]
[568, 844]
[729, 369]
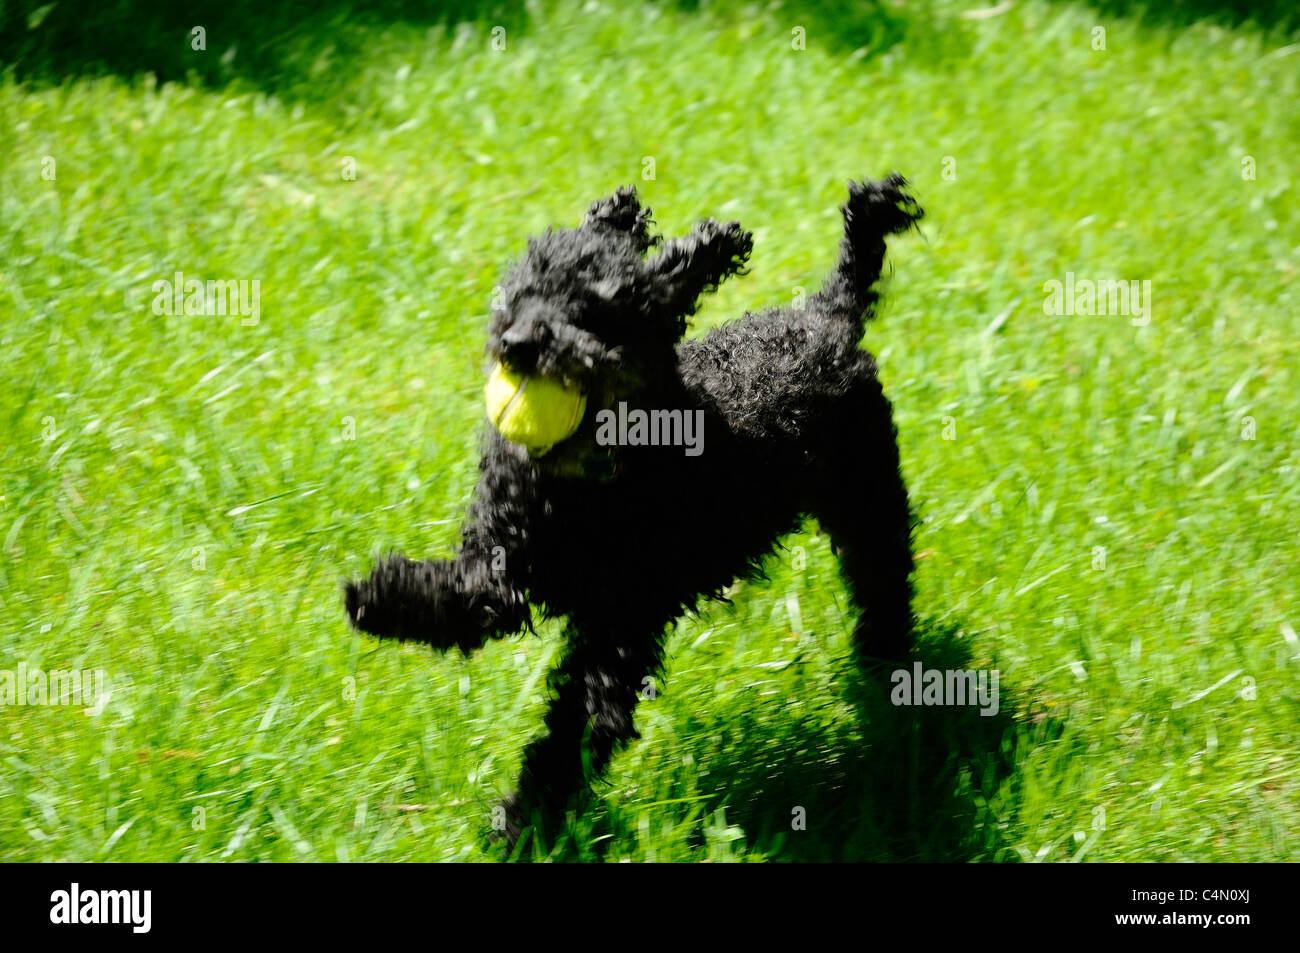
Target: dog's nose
[519, 351]
[523, 342]
[514, 337]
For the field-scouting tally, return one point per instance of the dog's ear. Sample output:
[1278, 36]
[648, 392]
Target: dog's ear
[695, 263]
[622, 212]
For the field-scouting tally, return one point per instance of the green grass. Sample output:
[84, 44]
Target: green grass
[138, 447]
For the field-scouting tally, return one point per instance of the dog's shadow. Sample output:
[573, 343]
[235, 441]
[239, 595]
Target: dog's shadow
[895, 783]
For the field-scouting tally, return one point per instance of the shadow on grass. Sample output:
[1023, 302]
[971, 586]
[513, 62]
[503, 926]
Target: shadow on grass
[305, 48]
[903, 784]
[295, 44]
[1267, 14]
[869, 25]
[895, 784]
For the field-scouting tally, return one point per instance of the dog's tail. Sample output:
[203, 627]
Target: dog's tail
[874, 210]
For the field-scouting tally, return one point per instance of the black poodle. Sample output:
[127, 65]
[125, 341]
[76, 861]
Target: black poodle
[621, 528]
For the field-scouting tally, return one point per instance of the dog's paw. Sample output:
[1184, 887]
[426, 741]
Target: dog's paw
[353, 603]
[365, 612]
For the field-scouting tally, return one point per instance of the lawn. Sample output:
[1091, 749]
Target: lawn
[1109, 502]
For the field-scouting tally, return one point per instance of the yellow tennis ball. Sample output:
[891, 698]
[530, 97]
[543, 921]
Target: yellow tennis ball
[537, 412]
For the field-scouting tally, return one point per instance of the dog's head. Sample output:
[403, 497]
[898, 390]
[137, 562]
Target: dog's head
[588, 307]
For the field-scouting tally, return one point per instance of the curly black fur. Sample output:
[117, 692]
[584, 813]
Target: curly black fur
[621, 541]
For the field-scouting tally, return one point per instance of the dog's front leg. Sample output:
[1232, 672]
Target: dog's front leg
[479, 595]
[458, 603]
[595, 691]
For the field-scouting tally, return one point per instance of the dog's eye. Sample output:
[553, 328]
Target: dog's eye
[607, 289]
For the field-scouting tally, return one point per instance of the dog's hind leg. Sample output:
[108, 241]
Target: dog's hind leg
[861, 501]
[605, 672]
